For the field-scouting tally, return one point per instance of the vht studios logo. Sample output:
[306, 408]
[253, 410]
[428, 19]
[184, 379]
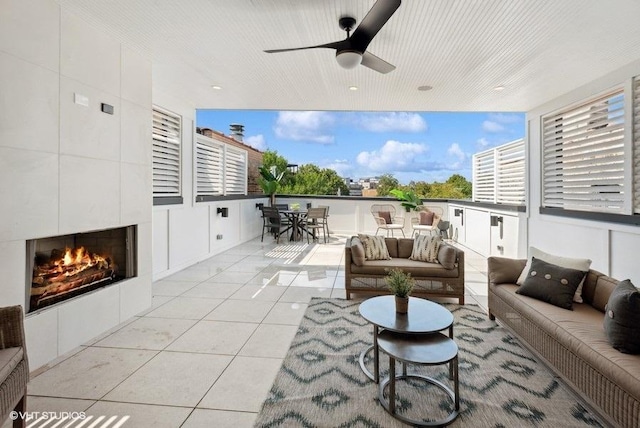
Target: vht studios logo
[74, 419]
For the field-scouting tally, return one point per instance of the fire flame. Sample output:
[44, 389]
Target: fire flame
[78, 259]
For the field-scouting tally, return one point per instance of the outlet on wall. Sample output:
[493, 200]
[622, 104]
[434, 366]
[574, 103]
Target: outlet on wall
[218, 236]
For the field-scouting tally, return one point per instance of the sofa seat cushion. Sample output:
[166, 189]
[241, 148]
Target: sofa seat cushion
[582, 332]
[415, 268]
[9, 359]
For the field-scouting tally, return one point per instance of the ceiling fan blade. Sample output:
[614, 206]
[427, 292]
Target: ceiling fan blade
[371, 61]
[333, 45]
[379, 14]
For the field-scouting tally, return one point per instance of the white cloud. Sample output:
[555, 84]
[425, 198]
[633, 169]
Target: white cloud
[307, 126]
[388, 122]
[483, 144]
[493, 127]
[341, 166]
[455, 151]
[393, 156]
[257, 142]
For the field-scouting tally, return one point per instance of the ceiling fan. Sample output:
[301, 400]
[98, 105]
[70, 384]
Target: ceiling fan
[352, 51]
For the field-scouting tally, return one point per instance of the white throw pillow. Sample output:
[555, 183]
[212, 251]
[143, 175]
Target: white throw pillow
[580, 264]
[425, 248]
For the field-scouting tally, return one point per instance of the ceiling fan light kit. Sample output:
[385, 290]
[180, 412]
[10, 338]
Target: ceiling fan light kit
[348, 59]
[352, 51]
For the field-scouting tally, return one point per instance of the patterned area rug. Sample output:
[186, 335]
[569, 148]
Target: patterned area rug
[320, 383]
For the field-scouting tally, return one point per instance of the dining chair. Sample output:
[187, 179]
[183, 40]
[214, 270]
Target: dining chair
[325, 220]
[314, 222]
[272, 221]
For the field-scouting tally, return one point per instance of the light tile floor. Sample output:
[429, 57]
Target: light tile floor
[207, 352]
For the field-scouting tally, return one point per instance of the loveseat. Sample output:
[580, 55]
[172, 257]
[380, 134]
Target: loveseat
[573, 343]
[14, 366]
[442, 279]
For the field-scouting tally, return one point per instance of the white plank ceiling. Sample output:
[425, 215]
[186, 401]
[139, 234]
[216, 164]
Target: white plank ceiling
[536, 49]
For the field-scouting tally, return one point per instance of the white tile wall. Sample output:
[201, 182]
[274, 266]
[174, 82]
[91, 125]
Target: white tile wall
[64, 166]
[135, 197]
[160, 227]
[89, 56]
[29, 194]
[29, 105]
[89, 194]
[20, 36]
[134, 296]
[136, 86]
[87, 131]
[87, 316]
[41, 332]
[13, 254]
[135, 133]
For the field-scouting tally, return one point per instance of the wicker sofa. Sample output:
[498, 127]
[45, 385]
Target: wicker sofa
[14, 366]
[572, 343]
[432, 279]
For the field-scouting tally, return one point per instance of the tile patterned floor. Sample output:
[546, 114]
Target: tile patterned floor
[206, 353]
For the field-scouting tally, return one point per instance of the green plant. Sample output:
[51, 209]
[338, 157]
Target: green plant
[269, 181]
[410, 201]
[400, 283]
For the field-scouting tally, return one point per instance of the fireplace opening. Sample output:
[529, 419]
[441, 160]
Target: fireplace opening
[62, 267]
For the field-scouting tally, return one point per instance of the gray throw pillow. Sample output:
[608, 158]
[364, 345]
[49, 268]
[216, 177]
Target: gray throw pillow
[551, 283]
[622, 318]
[357, 251]
[447, 256]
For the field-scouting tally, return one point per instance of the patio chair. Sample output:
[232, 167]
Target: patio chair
[427, 221]
[273, 222]
[315, 222]
[325, 220]
[14, 366]
[386, 219]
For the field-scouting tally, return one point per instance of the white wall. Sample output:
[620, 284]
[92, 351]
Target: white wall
[67, 168]
[186, 233]
[611, 246]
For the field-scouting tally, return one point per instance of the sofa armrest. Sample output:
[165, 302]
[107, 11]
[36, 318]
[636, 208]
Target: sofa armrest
[11, 327]
[503, 270]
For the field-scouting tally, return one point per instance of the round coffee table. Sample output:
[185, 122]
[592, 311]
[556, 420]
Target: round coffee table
[431, 349]
[423, 317]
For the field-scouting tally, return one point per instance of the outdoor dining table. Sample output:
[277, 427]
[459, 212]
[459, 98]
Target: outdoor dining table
[297, 223]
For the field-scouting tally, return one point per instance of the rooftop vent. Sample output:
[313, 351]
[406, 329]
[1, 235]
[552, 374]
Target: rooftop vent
[237, 131]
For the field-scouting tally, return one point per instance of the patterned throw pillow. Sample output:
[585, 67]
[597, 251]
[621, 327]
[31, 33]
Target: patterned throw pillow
[426, 218]
[425, 248]
[386, 216]
[374, 247]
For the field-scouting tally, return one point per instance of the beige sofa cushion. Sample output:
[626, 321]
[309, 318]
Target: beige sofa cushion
[357, 251]
[415, 268]
[405, 247]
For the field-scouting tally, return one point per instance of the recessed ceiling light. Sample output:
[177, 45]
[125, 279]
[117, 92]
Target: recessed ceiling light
[499, 88]
[425, 88]
[216, 87]
[353, 88]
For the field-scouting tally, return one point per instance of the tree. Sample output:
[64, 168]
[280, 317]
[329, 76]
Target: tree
[386, 183]
[271, 158]
[313, 180]
[461, 184]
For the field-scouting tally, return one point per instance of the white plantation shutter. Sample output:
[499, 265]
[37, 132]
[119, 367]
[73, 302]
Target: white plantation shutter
[167, 131]
[636, 145]
[583, 156]
[510, 175]
[235, 171]
[209, 167]
[484, 176]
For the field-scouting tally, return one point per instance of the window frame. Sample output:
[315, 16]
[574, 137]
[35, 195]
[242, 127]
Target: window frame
[167, 198]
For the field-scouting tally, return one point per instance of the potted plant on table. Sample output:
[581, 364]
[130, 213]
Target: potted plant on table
[401, 284]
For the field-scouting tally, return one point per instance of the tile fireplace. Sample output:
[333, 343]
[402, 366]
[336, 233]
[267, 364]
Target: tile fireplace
[60, 268]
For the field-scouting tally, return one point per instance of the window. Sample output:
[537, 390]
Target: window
[220, 169]
[583, 155]
[636, 145]
[167, 132]
[499, 175]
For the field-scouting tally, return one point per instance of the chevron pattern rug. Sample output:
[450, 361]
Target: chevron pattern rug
[320, 383]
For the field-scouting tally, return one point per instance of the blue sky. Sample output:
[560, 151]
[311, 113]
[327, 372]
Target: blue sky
[411, 146]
